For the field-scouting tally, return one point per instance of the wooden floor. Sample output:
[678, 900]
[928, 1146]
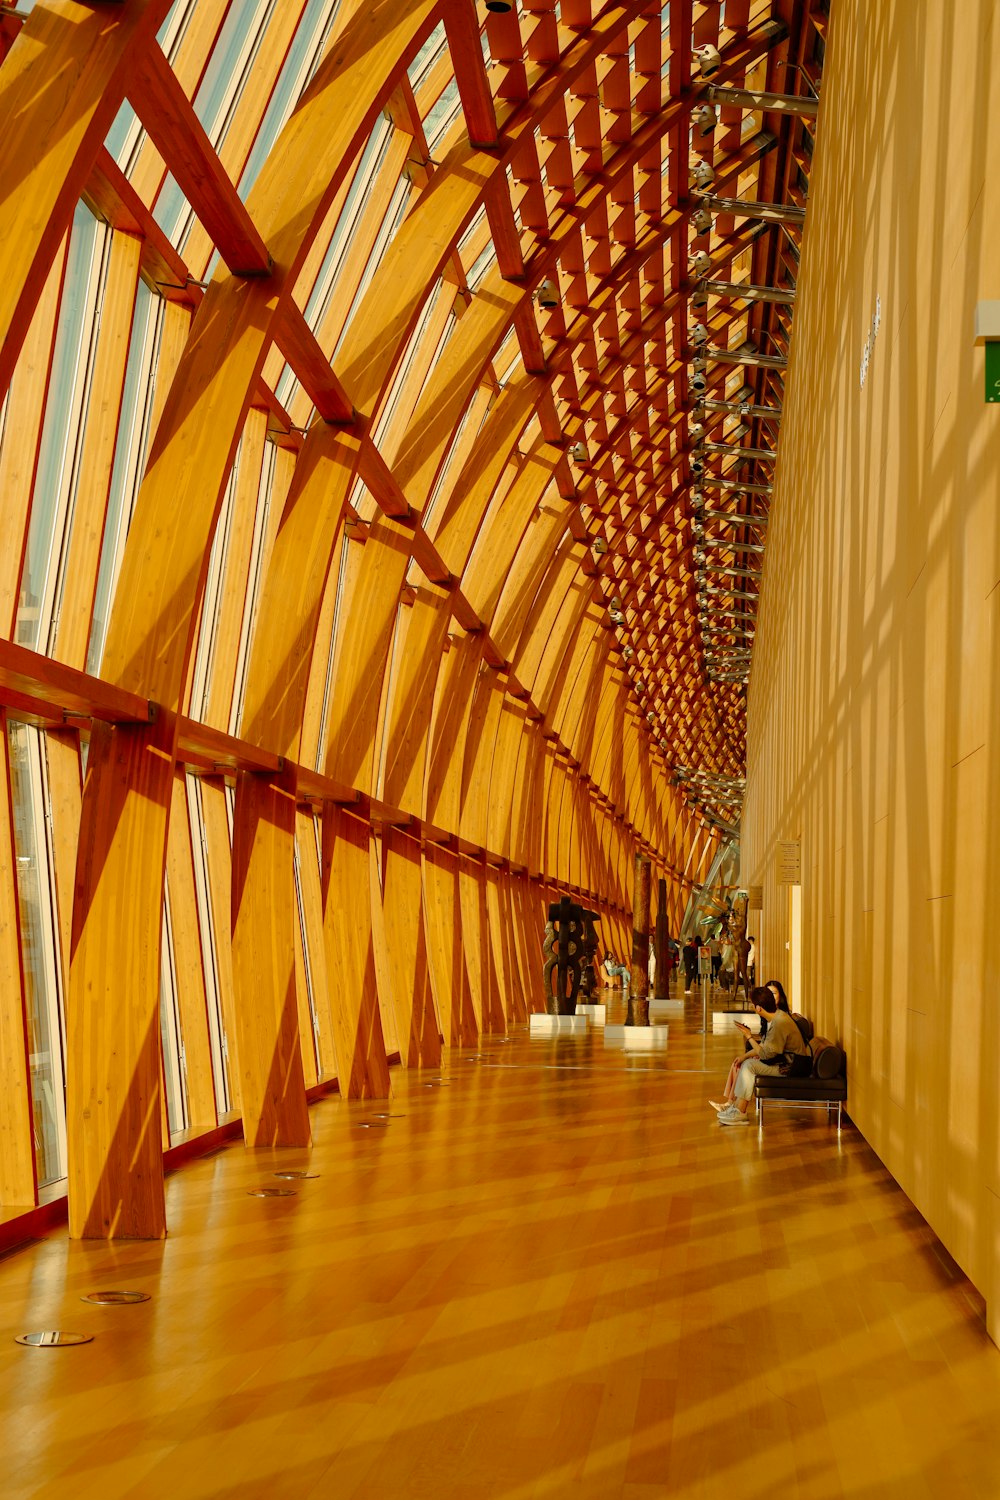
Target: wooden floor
[550, 1272]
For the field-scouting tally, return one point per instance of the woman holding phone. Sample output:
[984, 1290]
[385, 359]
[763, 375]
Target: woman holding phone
[781, 1002]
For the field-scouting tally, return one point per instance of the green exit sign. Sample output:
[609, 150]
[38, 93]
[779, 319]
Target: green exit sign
[993, 370]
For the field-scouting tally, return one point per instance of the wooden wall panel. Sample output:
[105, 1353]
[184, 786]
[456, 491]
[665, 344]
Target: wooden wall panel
[875, 698]
[480, 968]
[505, 949]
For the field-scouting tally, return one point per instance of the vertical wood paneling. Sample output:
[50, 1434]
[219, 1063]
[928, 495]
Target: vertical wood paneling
[112, 1014]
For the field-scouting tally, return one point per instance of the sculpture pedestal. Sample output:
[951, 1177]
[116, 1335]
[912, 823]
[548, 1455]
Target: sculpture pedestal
[660, 1010]
[596, 1014]
[540, 1025]
[725, 1020]
[636, 1038]
[646, 1038]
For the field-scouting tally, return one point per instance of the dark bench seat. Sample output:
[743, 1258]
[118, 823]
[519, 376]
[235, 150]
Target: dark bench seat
[826, 1087]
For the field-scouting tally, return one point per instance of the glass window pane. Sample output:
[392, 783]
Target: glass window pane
[38, 950]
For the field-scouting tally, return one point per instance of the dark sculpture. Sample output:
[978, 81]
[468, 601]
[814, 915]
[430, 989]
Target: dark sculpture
[569, 946]
[661, 944]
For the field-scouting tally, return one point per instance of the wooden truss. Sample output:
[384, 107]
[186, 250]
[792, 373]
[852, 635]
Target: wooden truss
[440, 282]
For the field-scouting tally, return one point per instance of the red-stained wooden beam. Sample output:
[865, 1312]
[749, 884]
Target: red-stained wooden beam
[43, 685]
[179, 136]
[300, 347]
[461, 22]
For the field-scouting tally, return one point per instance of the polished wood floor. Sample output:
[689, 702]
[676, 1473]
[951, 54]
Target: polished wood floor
[548, 1273]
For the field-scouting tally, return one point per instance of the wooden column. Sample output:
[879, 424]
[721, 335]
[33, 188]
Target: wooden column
[638, 1000]
[347, 926]
[112, 1011]
[443, 931]
[272, 1088]
[404, 954]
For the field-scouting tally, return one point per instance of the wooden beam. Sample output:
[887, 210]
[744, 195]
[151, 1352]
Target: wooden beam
[169, 118]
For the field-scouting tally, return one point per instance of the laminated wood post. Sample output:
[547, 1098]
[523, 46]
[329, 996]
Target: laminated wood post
[272, 1085]
[350, 959]
[113, 1077]
[507, 989]
[446, 959]
[638, 999]
[404, 955]
[472, 876]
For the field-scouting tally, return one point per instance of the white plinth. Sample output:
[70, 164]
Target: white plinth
[646, 1038]
[614, 1036]
[725, 1020]
[596, 1014]
[546, 1025]
[659, 1010]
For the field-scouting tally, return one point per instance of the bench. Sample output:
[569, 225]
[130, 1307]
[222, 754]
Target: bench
[823, 1088]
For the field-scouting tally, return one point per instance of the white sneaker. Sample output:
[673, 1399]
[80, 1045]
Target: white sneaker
[733, 1119]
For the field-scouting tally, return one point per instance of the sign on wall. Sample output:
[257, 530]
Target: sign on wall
[789, 861]
[755, 897]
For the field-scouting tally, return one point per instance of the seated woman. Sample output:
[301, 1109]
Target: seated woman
[783, 1040]
[781, 1000]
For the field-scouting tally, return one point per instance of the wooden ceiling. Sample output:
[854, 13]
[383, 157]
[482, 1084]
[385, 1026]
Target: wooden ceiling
[599, 276]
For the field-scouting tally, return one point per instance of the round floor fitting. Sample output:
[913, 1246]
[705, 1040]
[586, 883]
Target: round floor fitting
[292, 1173]
[271, 1192]
[53, 1338]
[114, 1299]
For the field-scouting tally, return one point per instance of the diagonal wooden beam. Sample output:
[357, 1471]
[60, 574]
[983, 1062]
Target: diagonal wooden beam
[179, 136]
